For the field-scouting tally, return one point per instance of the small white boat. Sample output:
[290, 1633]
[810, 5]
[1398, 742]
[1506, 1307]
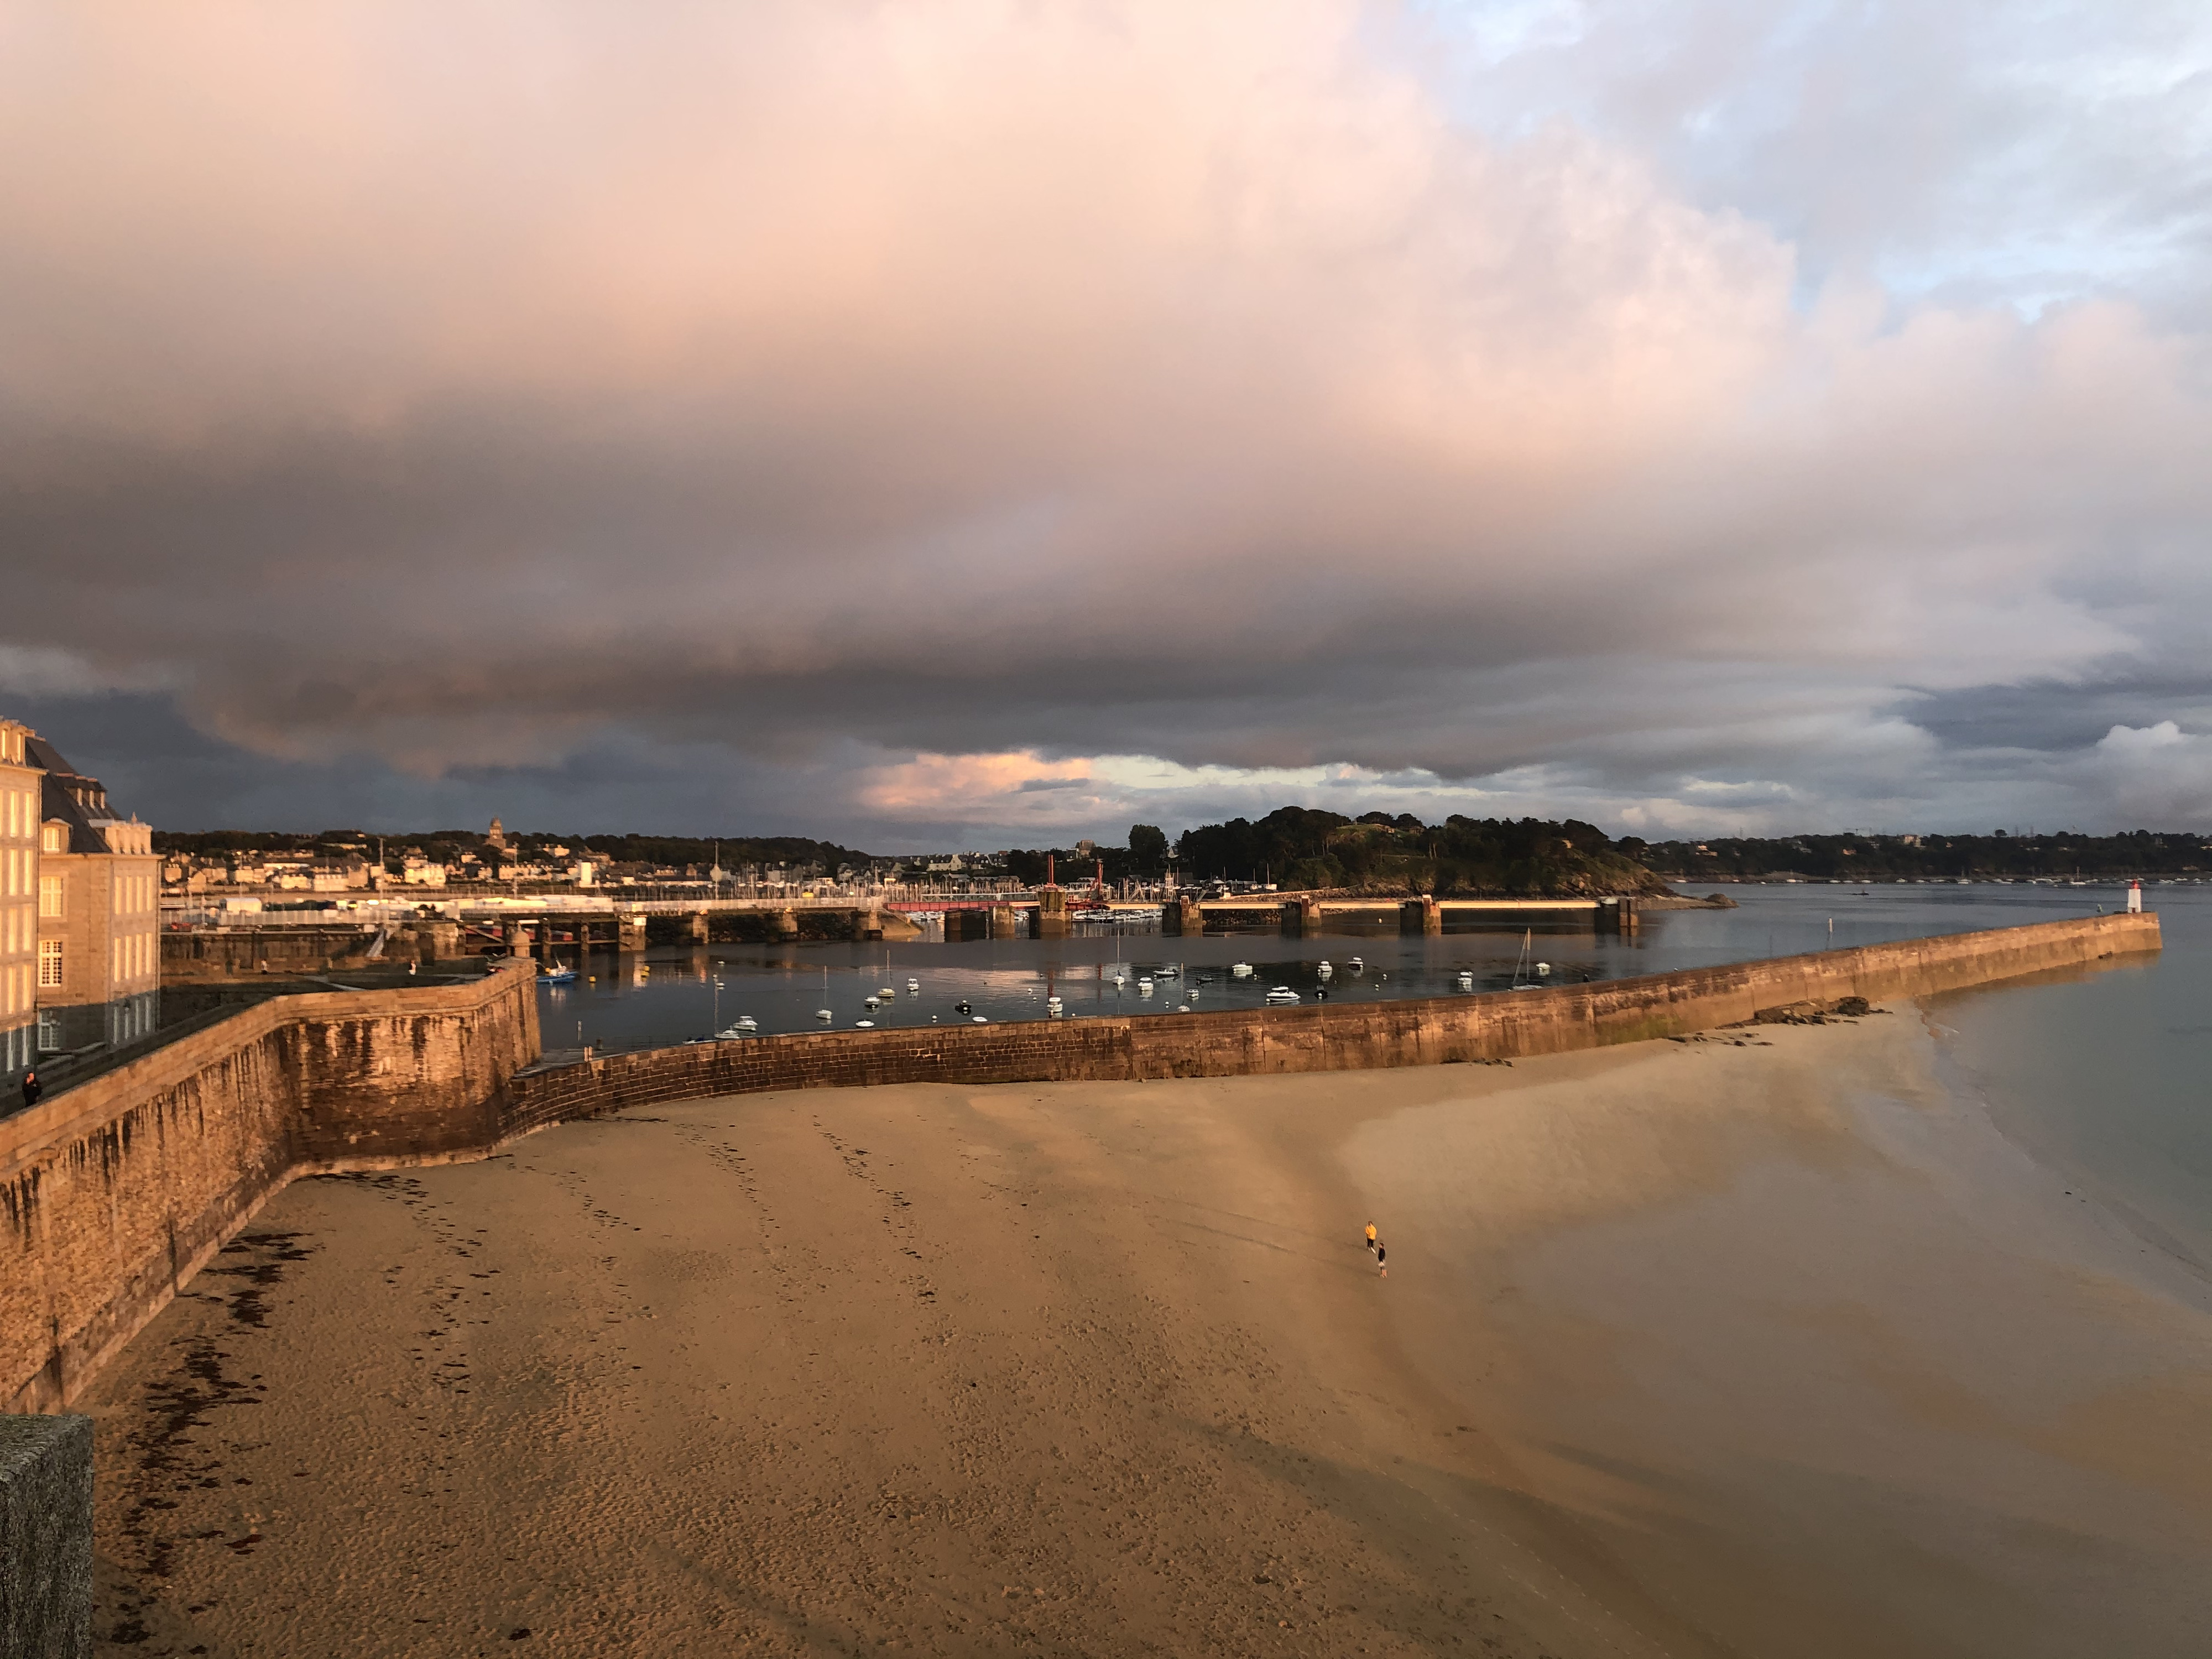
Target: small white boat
[1241, 969]
[887, 993]
[871, 1003]
[1144, 988]
[1543, 967]
[1359, 965]
[1465, 980]
[1121, 980]
[1282, 993]
[978, 1019]
[1326, 971]
[1167, 970]
[823, 1014]
[914, 985]
[1052, 1009]
[864, 1026]
[1182, 1008]
[745, 1026]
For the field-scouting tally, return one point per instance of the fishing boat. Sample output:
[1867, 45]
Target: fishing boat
[558, 977]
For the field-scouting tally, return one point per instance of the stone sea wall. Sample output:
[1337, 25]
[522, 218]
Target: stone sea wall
[113, 1195]
[1321, 1036]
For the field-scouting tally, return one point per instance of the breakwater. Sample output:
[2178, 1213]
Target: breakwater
[115, 1193]
[1323, 1036]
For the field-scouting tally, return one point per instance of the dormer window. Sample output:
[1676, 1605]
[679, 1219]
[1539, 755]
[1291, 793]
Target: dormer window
[53, 838]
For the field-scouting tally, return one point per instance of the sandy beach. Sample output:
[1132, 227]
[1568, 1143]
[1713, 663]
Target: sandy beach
[1762, 1344]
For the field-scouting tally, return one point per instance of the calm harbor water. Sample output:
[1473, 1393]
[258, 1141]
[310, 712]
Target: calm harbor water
[673, 995]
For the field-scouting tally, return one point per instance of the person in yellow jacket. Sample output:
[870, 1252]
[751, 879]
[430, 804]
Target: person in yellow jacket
[1370, 1235]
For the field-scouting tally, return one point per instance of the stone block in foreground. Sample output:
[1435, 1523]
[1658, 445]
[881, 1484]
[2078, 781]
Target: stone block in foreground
[46, 1537]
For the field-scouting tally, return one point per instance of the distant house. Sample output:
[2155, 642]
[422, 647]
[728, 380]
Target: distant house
[99, 895]
[19, 789]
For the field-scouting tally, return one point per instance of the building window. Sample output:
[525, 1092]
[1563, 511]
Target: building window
[51, 892]
[53, 838]
[49, 963]
[50, 1031]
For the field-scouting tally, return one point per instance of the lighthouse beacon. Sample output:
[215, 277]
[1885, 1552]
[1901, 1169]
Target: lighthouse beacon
[2134, 898]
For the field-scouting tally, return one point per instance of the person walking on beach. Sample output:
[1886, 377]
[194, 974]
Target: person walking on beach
[1381, 1262]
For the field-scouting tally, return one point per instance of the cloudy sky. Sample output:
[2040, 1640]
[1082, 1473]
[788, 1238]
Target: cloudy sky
[998, 421]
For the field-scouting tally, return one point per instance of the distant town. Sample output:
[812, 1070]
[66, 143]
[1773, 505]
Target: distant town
[1293, 848]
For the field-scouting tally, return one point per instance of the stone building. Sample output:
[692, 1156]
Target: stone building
[19, 906]
[100, 908]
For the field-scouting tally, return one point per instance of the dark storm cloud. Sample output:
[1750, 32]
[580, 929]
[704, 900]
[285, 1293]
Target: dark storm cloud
[972, 422]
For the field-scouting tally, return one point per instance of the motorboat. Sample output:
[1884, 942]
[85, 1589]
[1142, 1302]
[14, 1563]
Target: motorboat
[1326, 971]
[912, 985]
[1542, 968]
[1144, 988]
[558, 977]
[745, 1026]
[871, 1003]
[887, 993]
[1168, 970]
[1052, 1010]
[1182, 1008]
[1466, 979]
[1241, 969]
[963, 1006]
[864, 1026]
[1121, 980]
[825, 1015]
[978, 1019]
[1282, 993]
[1359, 965]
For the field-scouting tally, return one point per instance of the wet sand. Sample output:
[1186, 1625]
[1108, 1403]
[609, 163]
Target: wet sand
[1759, 1346]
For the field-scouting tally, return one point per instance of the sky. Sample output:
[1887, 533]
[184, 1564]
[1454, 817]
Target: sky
[998, 422]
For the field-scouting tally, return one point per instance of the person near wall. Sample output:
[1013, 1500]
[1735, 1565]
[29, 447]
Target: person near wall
[32, 1089]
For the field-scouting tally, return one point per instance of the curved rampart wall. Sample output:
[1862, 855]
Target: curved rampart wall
[115, 1193]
